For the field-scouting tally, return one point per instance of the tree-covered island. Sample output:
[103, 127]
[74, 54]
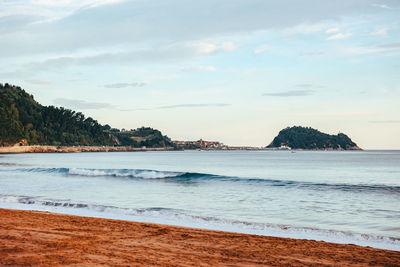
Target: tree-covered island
[298, 137]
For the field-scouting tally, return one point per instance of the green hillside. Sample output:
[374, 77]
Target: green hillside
[144, 136]
[22, 118]
[298, 137]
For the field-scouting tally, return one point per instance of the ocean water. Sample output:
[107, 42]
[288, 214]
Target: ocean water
[335, 196]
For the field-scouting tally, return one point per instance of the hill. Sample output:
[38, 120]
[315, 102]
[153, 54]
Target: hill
[24, 120]
[144, 136]
[298, 137]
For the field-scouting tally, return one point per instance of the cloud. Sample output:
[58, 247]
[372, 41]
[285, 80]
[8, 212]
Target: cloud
[81, 104]
[291, 93]
[199, 68]
[332, 30]
[39, 81]
[380, 5]
[262, 49]
[124, 85]
[169, 53]
[390, 46]
[48, 11]
[208, 48]
[380, 32]
[385, 121]
[141, 22]
[194, 106]
[384, 48]
[304, 29]
[339, 36]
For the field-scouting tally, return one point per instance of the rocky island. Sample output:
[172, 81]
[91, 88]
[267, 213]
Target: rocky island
[298, 137]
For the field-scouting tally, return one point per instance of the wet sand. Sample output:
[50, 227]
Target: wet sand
[49, 239]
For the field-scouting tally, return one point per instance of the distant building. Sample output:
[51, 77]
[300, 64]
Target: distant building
[199, 144]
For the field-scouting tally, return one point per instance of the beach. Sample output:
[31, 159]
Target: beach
[42, 238]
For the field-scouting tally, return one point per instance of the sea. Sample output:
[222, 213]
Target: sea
[349, 197]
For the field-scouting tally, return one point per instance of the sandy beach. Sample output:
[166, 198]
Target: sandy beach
[41, 238]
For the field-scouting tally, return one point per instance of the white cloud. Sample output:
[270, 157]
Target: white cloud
[124, 85]
[49, 11]
[304, 29]
[57, 3]
[262, 49]
[360, 50]
[332, 30]
[106, 2]
[339, 36]
[199, 68]
[380, 32]
[380, 5]
[208, 48]
[74, 3]
[291, 93]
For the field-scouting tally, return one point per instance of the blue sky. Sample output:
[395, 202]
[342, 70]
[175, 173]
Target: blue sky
[227, 70]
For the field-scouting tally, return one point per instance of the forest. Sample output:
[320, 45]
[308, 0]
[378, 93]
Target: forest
[298, 137]
[22, 118]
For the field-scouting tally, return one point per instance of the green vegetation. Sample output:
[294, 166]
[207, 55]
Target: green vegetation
[140, 137]
[298, 137]
[22, 118]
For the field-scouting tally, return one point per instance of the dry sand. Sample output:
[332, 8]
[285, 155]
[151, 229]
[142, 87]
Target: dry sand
[48, 239]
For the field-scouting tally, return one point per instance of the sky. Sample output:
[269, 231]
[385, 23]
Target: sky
[235, 71]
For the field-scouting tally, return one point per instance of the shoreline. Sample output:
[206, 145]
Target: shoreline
[44, 238]
[78, 149]
[75, 149]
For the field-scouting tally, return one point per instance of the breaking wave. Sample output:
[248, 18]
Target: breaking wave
[192, 176]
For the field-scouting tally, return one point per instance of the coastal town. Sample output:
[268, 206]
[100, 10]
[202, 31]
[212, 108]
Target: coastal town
[210, 145]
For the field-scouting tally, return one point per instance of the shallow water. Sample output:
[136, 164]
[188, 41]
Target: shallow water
[336, 196]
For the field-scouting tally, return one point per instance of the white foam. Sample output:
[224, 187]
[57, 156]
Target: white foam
[144, 174]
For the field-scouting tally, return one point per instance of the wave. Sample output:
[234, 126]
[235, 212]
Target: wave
[193, 176]
[129, 173]
[183, 218]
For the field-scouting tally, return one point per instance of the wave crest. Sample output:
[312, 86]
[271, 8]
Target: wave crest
[188, 176]
[144, 174]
